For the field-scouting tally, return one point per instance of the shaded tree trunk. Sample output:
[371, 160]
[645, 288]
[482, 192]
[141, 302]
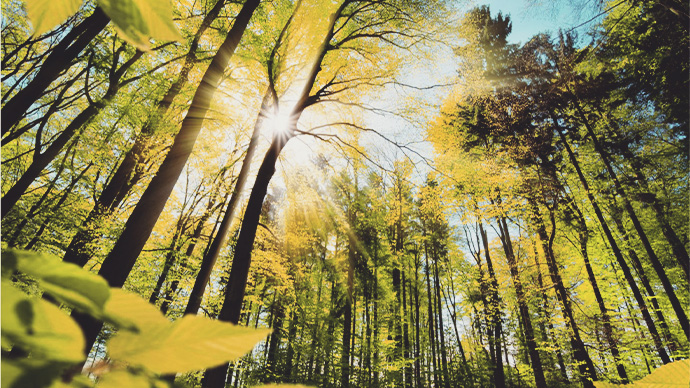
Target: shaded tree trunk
[614, 247]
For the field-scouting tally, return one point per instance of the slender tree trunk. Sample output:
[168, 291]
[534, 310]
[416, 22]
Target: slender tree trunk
[430, 312]
[614, 247]
[653, 258]
[240, 266]
[637, 266]
[59, 60]
[12, 241]
[211, 256]
[441, 334]
[63, 198]
[131, 170]
[348, 321]
[495, 313]
[120, 261]
[526, 320]
[674, 241]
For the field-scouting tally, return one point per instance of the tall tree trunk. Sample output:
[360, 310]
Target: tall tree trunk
[637, 266]
[495, 314]
[637, 165]
[526, 319]
[614, 247]
[131, 169]
[653, 258]
[12, 241]
[430, 312]
[441, 334]
[348, 321]
[119, 262]
[61, 57]
[240, 266]
[63, 198]
[583, 233]
[211, 256]
[586, 366]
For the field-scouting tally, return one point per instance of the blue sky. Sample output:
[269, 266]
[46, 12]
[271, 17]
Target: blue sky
[531, 17]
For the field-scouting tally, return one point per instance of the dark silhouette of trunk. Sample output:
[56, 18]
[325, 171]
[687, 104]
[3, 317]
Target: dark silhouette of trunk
[417, 355]
[348, 319]
[42, 160]
[495, 314]
[406, 334]
[430, 313]
[637, 266]
[58, 61]
[614, 247]
[234, 293]
[653, 258]
[119, 262]
[170, 259]
[441, 334]
[132, 168]
[172, 290]
[288, 372]
[210, 257]
[583, 234]
[649, 197]
[523, 308]
[544, 317]
[586, 366]
[274, 341]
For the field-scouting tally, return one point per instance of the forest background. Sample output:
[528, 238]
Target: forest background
[378, 192]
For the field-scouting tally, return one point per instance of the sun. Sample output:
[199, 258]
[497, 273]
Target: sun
[279, 123]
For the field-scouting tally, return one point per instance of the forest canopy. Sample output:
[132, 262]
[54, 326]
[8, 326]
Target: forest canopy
[343, 193]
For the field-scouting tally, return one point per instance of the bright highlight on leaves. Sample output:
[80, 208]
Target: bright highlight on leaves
[40, 327]
[673, 375]
[67, 282]
[188, 344]
[47, 14]
[136, 21]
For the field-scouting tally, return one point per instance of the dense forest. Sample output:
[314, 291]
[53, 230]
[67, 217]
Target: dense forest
[343, 193]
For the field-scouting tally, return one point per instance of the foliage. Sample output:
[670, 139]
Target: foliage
[135, 20]
[145, 339]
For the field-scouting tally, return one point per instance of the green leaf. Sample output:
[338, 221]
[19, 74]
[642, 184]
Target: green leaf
[31, 373]
[190, 343]
[67, 282]
[138, 20]
[46, 14]
[123, 378]
[129, 311]
[40, 327]
[673, 375]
